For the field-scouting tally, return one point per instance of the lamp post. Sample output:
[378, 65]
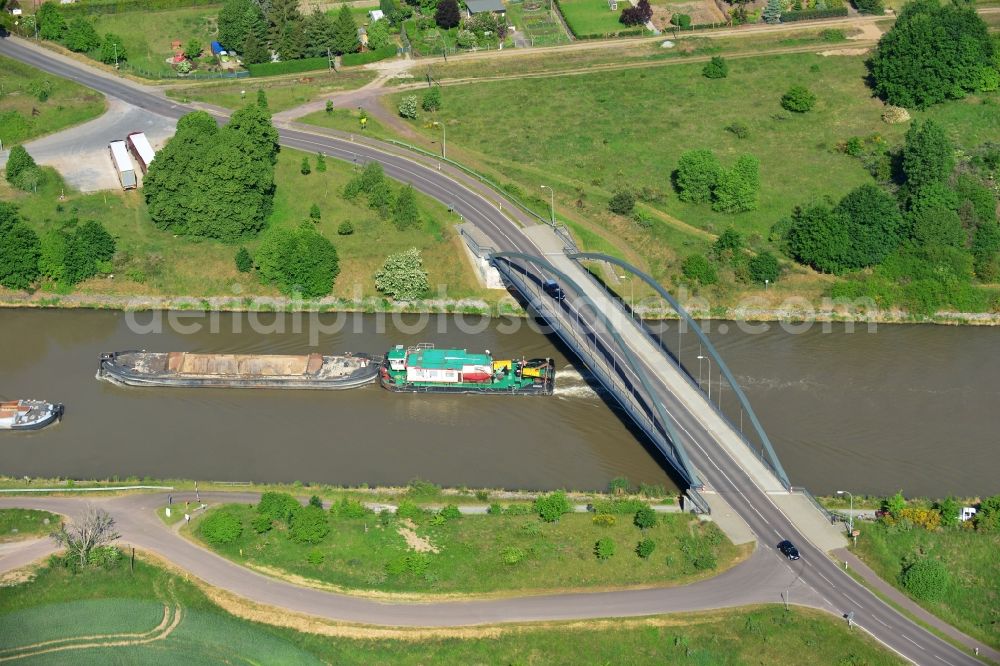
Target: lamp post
[709, 359]
[552, 209]
[850, 516]
[631, 292]
[444, 139]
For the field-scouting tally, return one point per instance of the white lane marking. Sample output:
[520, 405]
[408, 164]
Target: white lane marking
[776, 532]
[829, 582]
[853, 601]
[910, 639]
[876, 618]
[944, 660]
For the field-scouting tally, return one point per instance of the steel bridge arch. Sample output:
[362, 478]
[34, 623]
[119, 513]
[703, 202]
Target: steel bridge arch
[680, 458]
[775, 464]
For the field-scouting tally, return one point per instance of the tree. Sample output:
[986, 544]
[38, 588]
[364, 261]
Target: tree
[305, 169]
[798, 99]
[925, 579]
[283, 19]
[234, 23]
[221, 528]
[638, 14]
[895, 504]
[716, 68]
[309, 524]
[254, 50]
[870, 7]
[936, 226]
[553, 506]
[315, 213]
[622, 202]
[985, 247]
[432, 99]
[298, 261]
[818, 237]
[874, 225]
[697, 174]
[772, 12]
[254, 130]
[408, 107]
[447, 15]
[728, 244]
[404, 212]
[980, 197]
[95, 529]
[645, 518]
[696, 267]
[645, 548]
[345, 32]
[345, 228]
[932, 53]
[52, 257]
[739, 187]
[378, 34]
[19, 249]
[604, 549]
[51, 24]
[928, 155]
[988, 515]
[262, 100]
[764, 268]
[948, 508]
[86, 250]
[192, 49]
[402, 276]
[113, 50]
[244, 262]
[277, 506]
[18, 161]
[320, 162]
[319, 33]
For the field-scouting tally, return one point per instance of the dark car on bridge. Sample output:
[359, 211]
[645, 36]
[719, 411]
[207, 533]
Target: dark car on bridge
[552, 288]
[788, 550]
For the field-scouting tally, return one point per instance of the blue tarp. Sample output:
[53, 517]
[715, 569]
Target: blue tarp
[217, 48]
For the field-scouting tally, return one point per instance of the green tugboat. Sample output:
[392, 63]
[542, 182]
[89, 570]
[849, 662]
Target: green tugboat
[424, 369]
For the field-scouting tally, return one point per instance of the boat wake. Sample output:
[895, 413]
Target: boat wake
[570, 383]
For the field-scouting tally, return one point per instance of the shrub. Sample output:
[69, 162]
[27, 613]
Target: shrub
[645, 518]
[408, 107]
[870, 6]
[738, 188]
[764, 268]
[697, 174]
[928, 519]
[926, 579]
[277, 506]
[519, 510]
[495, 509]
[832, 35]
[304, 169]
[432, 99]
[948, 509]
[604, 549]
[894, 115]
[552, 506]
[329, 106]
[402, 276]
[314, 212]
[221, 528]
[106, 557]
[798, 99]
[345, 228]
[315, 557]
[621, 507]
[18, 161]
[450, 512]
[349, 508]
[511, 555]
[619, 486]
[244, 262]
[309, 525]
[604, 520]
[681, 21]
[740, 130]
[315, 501]
[697, 268]
[643, 219]
[409, 510]
[261, 523]
[298, 260]
[622, 202]
[645, 548]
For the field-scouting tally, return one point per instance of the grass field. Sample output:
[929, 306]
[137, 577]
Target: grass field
[284, 93]
[175, 266]
[971, 602]
[23, 113]
[588, 18]
[25, 523]
[362, 553]
[58, 604]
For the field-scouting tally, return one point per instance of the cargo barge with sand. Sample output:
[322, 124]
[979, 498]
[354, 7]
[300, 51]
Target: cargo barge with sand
[183, 369]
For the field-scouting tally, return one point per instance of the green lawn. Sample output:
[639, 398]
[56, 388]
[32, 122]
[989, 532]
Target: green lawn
[33, 103]
[971, 602]
[282, 94]
[24, 523]
[593, 17]
[58, 604]
[151, 261]
[362, 553]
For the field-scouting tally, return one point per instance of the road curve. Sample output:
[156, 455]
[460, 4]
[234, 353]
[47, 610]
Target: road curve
[814, 573]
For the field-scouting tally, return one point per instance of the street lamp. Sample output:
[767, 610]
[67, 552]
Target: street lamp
[444, 139]
[709, 359]
[552, 209]
[631, 292]
[850, 516]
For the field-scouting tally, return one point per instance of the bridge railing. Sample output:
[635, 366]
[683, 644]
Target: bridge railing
[763, 450]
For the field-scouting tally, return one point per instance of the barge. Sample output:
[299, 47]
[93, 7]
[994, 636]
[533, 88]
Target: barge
[424, 369]
[28, 414]
[183, 369]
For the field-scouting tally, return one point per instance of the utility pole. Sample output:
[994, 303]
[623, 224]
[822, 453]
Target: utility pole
[115, 45]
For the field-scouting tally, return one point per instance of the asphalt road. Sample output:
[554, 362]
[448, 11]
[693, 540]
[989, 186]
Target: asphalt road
[813, 573]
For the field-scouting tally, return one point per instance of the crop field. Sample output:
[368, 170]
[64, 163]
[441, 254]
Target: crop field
[33, 103]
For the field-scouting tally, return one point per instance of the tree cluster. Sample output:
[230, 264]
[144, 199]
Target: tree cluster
[932, 53]
[256, 29]
[212, 182]
[402, 276]
[297, 261]
[19, 249]
[74, 253]
[700, 178]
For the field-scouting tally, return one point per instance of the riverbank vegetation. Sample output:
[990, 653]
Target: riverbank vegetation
[115, 599]
[26, 523]
[946, 565]
[34, 103]
[517, 547]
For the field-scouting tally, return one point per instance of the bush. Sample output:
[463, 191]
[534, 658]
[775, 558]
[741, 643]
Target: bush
[18, 161]
[619, 486]
[308, 525]
[298, 261]
[552, 506]
[315, 501]
[408, 510]
[604, 549]
[925, 579]
[315, 557]
[450, 512]
[798, 99]
[511, 555]
[106, 557]
[496, 509]
[645, 518]
[622, 202]
[244, 262]
[304, 169]
[345, 228]
[740, 130]
[349, 508]
[682, 21]
[645, 548]
[315, 213]
[697, 174]
[764, 268]
[519, 510]
[697, 268]
[738, 188]
[261, 523]
[277, 506]
[604, 520]
[432, 99]
[621, 507]
[716, 68]
[402, 276]
[221, 528]
[408, 107]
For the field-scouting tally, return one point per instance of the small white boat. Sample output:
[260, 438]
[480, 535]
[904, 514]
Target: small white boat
[28, 414]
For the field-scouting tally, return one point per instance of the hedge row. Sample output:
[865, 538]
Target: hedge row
[349, 59]
[288, 66]
[810, 14]
[122, 6]
[631, 32]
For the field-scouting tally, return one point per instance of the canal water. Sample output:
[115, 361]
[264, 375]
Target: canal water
[911, 407]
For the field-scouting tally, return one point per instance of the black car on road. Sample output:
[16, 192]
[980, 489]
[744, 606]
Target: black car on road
[788, 550]
[552, 288]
